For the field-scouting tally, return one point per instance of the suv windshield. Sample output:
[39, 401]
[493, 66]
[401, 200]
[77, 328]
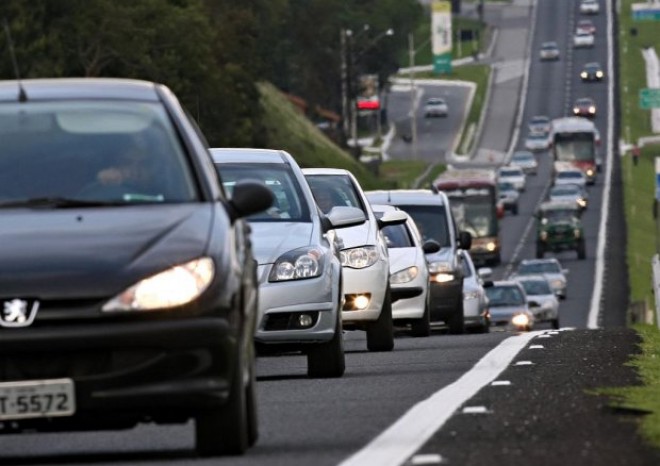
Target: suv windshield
[114, 151]
[431, 222]
[539, 267]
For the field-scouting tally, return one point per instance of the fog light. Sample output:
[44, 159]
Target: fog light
[305, 320]
[361, 302]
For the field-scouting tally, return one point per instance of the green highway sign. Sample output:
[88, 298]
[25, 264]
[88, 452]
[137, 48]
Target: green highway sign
[649, 98]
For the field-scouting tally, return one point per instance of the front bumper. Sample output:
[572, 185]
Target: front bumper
[371, 280]
[446, 299]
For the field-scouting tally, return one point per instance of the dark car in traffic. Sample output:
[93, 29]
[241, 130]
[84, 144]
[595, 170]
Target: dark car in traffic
[559, 228]
[585, 107]
[127, 280]
[592, 72]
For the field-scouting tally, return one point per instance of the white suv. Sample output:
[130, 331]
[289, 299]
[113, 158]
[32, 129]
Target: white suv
[364, 256]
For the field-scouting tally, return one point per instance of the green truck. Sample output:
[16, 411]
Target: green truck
[559, 229]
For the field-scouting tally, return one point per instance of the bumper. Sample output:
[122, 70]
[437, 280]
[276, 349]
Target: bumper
[124, 373]
[445, 299]
[410, 308]
[371, 280]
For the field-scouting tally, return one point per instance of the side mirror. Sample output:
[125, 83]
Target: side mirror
[431, 246]
[249, 197]
[344, 217]
[464, 240]
[488, 284]
[485, 273]
[533, 304]
[396, 217]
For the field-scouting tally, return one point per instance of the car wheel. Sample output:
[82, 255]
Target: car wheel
[515, 209]
[327, 360]
[422, 327]
[555, 324]
[540, 250]
[581, 250]
[380, 334]
[226, 430]
[456, 322]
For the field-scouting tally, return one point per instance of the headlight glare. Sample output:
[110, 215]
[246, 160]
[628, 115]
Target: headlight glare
[404, 276]
[436, 267]
[297, 264]
[442, 277]
[520, 320]
[173, 287]
[359, 258]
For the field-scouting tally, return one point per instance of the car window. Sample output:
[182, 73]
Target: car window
[510, 172]
[504, 295]
[539, 267]
[431, 221]
[398, 236]
[288, 204]
[334, 191]
[119, 151]
[536, 287]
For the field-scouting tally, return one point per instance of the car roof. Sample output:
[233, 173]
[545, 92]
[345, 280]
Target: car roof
[530, 277]
[584, 100]
[249, 155]
[592, 64]
[522, 153]
[549, 44]
[407, 197]
[540, 118]
[539, 261]
[512, 283]
[435, 100]
[80, 89]
[325, 171]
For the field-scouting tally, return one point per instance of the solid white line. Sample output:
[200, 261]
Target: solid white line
[596, 294]
[403, 438]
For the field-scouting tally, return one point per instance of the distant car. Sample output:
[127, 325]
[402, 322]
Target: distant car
[569, 193]
[513, 175]
[549, 51]
[583, 39]
[570, 176]
[364, 256]
[592, 72]
[559, 228]
[541, 299]
[475, 301]
[525, 160]
[508, 196]
[537, 142]
[436, 107]
[539, 124]
[589, 7]
[507, 305]
[585, 107]
[409, 276]
[550, 268]
[585, 25]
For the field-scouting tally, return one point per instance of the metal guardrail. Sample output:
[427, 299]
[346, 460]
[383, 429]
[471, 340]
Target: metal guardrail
[655, 264]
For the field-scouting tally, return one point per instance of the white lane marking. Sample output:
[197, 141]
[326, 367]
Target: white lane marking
[545, 336]
[501, 383]
[596, 294]
[403, 438]
[536, 347]
[475, 410]
[524, 363]
[426, 459]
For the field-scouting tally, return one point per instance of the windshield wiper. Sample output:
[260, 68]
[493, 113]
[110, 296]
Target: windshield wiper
[57, 203]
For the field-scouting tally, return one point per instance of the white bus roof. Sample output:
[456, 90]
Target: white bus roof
[572, 125]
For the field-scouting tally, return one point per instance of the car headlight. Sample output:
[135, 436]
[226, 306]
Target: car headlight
[442, 277]
[557, 284]
[599, 74]
[491, 246]
[520, 320]
[577, 233]
[543, 235]
[359, 258]
[437, 267]
[581, 202]
[592, 109]
[173, 287]
[590, 172]
[584, 75]
[404, 276]
[297, 265]
[576, 110]
[471, 295]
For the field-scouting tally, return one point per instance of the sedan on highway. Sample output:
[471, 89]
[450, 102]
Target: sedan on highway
[514, 175]
[508, 196]
[541, 299]
[583, 39]
[475, 301]
[569, 193]
[592, 72]
[589, 7]
[570, 176]
[585, 25]
[549, 51]
[585, 107]
[539, 124]
[135, 302]
[508, 306]
[299, 270]
[436, 107]
[525, 160]
[550, 268]
[537, 142]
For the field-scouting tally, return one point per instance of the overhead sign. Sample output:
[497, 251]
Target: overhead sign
[649, 98]
[441, 36]
[648, 11]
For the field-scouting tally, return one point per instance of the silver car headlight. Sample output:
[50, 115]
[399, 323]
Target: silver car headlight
[298, 264]
[557, 284]
[404, 276]
[173, 287]
[471, 294]
[359, 258]
[584, 75]
[438, 267]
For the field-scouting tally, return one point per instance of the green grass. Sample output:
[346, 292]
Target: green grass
[402, 174]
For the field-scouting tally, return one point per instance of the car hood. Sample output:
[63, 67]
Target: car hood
[272, 239]
[99, 252]
[359, 235]
[402, 258]
[443, 255]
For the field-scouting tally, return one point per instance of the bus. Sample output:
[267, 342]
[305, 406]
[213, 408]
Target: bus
[574, 142]
[473, 198]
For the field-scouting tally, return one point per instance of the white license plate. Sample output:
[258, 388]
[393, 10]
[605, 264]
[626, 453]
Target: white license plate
[37, 398]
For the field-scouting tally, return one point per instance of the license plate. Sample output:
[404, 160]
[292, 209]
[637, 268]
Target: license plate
[37, 398]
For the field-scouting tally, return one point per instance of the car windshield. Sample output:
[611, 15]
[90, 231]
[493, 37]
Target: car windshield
[536, 287]
[334, 191]
[558, 215]
[522, 158]
[506, 187]
[570, 175]
[397, 236]
[435, 102]
[565, 191]
[118, 152]
[549, 46]
[431, 221]
[539, 267]
[288, 204]
[509, 173]
[504, 295]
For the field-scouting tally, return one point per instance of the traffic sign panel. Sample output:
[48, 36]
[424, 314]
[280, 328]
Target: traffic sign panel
[649, 98]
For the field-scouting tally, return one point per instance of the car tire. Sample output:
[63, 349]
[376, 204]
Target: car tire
[582, 250]
[380, 334]
[226, 430]
[422, 327]
[540, 250]
[327, 359]
[456, 321]
[555, 324]
[515, 209]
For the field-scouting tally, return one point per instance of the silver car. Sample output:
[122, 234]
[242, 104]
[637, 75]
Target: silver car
[436, 106]
[541, 299]
[537, 142]
[549, 51]
[514, 175]
[550, 268]
[299, 271]
[569, 193]
[508, 306]
[525, 160]
[475, 301]
[508, 197]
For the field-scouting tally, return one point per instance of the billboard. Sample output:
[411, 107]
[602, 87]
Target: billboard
[441, 35]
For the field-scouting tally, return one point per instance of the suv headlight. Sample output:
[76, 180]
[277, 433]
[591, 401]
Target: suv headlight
[297, 265]
[174, 287]
[359, 258]
[437, 267]
[404, 276]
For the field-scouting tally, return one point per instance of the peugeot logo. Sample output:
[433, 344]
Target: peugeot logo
[18, 313]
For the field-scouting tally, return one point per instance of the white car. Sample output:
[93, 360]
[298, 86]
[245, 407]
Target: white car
[537, 142]
[513, 175]
[525, 160]
[475, 301]
[571, 176]
[436, 106]
[409, 275]
[549, 51]
[550, 268]
[583, 39]
[569, 193]
[364, 256]
[589, 7]
[539, 124]
[541, 299]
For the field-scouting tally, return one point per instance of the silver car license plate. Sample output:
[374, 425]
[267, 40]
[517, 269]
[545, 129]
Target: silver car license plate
[37, 398]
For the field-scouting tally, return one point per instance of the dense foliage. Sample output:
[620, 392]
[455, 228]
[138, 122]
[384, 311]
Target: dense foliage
[210, 52]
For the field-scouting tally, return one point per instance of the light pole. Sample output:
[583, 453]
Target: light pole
[411, 58]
